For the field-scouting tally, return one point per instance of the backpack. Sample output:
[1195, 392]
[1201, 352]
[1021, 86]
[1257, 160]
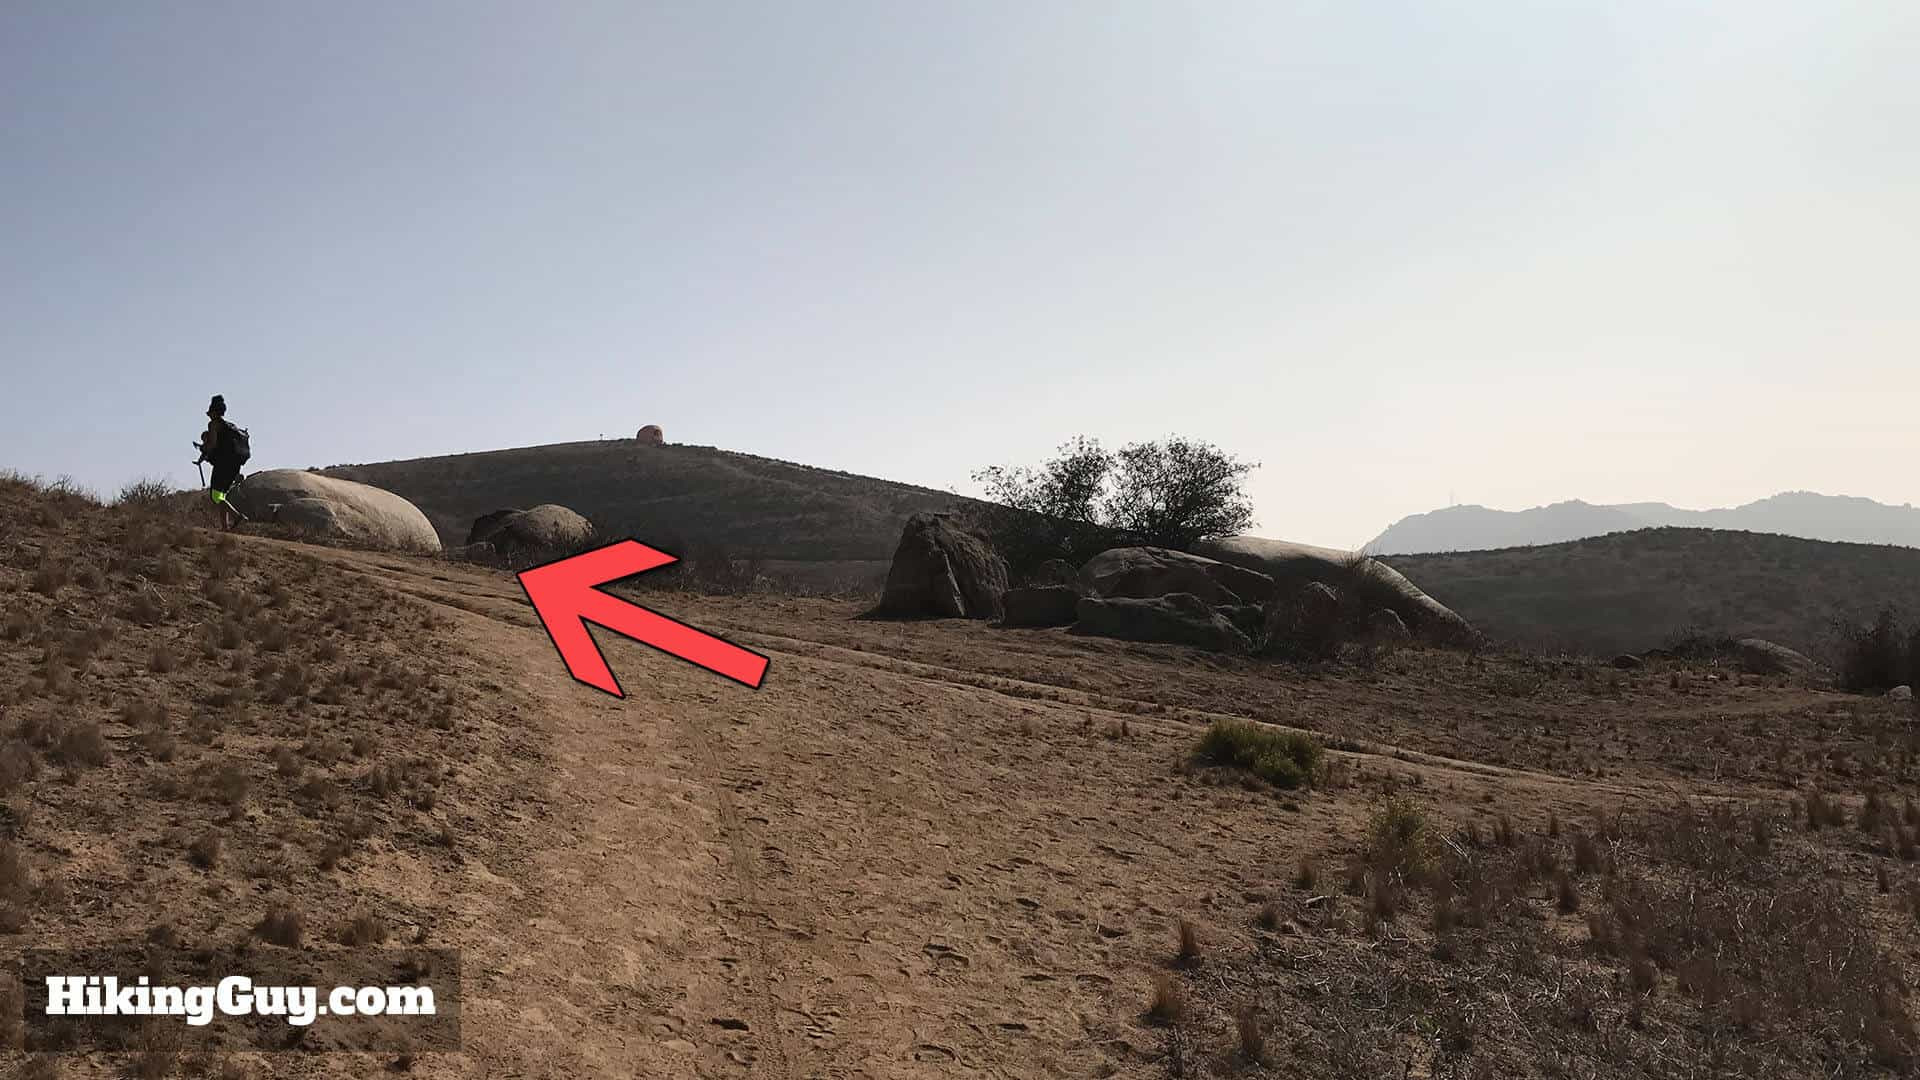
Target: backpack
[234, 446]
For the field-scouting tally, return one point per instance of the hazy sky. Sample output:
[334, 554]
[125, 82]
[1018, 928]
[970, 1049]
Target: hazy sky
[1517, 252]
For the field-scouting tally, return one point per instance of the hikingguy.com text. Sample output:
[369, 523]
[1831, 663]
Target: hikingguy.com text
[233, 996]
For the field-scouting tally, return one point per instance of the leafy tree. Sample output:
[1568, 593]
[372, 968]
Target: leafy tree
[1177, 492]
[1171, 493]
[1050, 512]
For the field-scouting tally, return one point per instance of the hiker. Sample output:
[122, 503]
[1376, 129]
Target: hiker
[225, 446]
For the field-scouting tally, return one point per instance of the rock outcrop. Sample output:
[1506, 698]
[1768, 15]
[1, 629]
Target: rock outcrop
[940, 569]
[1292, 566]
[1305, 624]
[1142, 573]
[1040, 605]
[651, 435]
[1177, 619]
[356, 513]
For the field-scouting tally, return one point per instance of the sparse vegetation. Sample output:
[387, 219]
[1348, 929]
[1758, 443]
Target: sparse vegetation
[1876, 655]
[1574, 596]
[1284, 759]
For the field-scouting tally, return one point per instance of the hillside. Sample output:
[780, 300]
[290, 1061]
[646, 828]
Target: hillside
[753, 507]
[1628, 591]
[1803, 514]
[922, 849]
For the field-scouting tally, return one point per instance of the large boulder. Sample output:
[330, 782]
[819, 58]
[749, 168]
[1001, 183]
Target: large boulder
[1142, 573]
[357, 513]
[1292, 566]
[651, 435]
[486, 524]
[1305, 624]
[1053, 572]
[548, 526]
[1178, 619]
[941, 569]
[1758, 656]
[1040, 605]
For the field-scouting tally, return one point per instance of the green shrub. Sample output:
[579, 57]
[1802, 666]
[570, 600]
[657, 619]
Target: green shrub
[1282, 758]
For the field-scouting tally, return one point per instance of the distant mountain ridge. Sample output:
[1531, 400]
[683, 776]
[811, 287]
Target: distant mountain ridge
[1804, 514]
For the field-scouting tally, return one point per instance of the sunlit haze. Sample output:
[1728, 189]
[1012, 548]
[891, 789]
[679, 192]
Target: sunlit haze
[1502, 253]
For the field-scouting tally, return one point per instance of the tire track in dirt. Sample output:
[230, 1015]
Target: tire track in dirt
[766, 1023]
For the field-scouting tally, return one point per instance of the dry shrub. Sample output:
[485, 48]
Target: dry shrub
[1253, 1038]
[281, 926]
[51, 576]
[1189, 951]
[81, 746]
[1166, 1002]
[363, 929]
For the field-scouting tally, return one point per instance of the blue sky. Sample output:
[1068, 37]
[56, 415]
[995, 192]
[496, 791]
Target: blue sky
[1507, 252]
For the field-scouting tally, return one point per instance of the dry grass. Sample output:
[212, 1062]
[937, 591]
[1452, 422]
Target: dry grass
[1613, 594]
[1166, 1001]
[283, 927]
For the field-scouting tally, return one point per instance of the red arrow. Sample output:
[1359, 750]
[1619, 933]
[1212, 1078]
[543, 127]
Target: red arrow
[566, 596]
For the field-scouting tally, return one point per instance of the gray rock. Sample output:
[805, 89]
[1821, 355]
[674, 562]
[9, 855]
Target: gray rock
[1178, 619]
[1249, 619]
[941, 569]
[1292, 565]
[1900, 693]
[545, 527]
[1386, 627]
[1628, 662]
[1306, 624]
[347, 510]
[1145, 572]
[1053, 572]
[1758, 656]
[1042, 605]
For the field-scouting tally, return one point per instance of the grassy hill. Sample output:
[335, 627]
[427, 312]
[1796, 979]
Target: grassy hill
[1628, 591]
[753, 507]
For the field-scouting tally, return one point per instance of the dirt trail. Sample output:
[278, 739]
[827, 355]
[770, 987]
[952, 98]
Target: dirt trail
[870, 868]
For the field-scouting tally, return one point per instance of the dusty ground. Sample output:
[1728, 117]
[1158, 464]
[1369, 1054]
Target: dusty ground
[928, 849]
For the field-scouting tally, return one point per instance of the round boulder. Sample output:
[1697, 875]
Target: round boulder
[651, 435]
[1142, 573]
[360, 514]
[548, 526]
[1177, 619]
[1758, 656]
